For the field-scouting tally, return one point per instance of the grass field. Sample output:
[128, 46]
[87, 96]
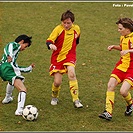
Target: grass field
[98, 30]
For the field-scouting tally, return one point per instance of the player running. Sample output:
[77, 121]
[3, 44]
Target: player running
[123, 71]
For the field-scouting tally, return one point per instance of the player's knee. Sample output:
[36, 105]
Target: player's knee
[111, 86]
[23, 89]
[72, 76]
[57, 83]
[123, 92]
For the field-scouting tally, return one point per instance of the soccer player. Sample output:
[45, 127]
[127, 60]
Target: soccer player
[11, 72]
[123, 71]
[63, 41]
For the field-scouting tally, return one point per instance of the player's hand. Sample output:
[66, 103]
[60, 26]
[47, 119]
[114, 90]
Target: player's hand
[9, 59]
[123, 52]
[52, 47]
[32, 65]
[110, 47]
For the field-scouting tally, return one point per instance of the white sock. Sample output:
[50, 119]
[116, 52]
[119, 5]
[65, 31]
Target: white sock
[9, 89]
[21, 100]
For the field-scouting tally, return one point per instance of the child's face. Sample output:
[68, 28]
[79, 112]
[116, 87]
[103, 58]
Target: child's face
[67, 24]
[123, 31]
[23, 46]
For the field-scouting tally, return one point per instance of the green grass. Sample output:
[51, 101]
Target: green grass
[98, 30]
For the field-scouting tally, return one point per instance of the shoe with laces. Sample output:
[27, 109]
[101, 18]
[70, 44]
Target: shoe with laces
[106, 115]
[18, 112]
[54, 101]
[129, 110]
[7, 100]
[78, 104]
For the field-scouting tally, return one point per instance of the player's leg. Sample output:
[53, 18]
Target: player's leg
[7, 73]
[21, 96]
[56, 88]
[110, 95]
[124, 91]
[8, 98]
[73, 83]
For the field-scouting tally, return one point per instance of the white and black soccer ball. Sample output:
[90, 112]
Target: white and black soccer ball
[30, 113]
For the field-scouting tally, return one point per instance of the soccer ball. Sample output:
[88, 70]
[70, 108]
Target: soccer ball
[30, 113]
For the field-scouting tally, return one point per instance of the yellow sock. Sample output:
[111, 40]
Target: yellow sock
[55, 91]
[74, 89]
[110, 95]
[128, 99]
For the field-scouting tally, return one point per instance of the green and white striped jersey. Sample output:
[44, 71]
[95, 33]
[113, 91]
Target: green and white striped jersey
[12, 49]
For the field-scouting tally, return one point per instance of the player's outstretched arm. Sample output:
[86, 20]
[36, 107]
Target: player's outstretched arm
[27, 69]
[117, 47]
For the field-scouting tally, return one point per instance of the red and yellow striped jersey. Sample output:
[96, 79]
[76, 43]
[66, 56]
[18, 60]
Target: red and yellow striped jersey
[65, 41]
[126, 61]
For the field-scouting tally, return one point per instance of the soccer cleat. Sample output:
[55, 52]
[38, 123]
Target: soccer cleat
[18, 112]
[54, 101]
[77, 104]
[106, 115]
[7, 100]
[129, 110]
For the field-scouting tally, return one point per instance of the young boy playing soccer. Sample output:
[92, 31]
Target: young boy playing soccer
[11, 72]
[123, 71]
[63, 41]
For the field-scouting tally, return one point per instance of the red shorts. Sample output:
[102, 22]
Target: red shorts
[60, 66]
[121, 76]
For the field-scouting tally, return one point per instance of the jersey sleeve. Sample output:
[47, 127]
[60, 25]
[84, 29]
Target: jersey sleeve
[53, 36]
[25, 69]
[77, 29]
[131, 39]
[78, 33]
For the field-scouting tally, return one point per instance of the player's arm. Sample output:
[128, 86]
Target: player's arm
[123, 52]
[52, 38]
[9, 58]
[50, 45]
[9, 51]
[77, 28]
[116, 47]
[77, 40]
[26, 69]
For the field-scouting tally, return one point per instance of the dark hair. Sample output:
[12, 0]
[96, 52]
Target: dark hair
[26, 39]
[66, 15]
[126, 22]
